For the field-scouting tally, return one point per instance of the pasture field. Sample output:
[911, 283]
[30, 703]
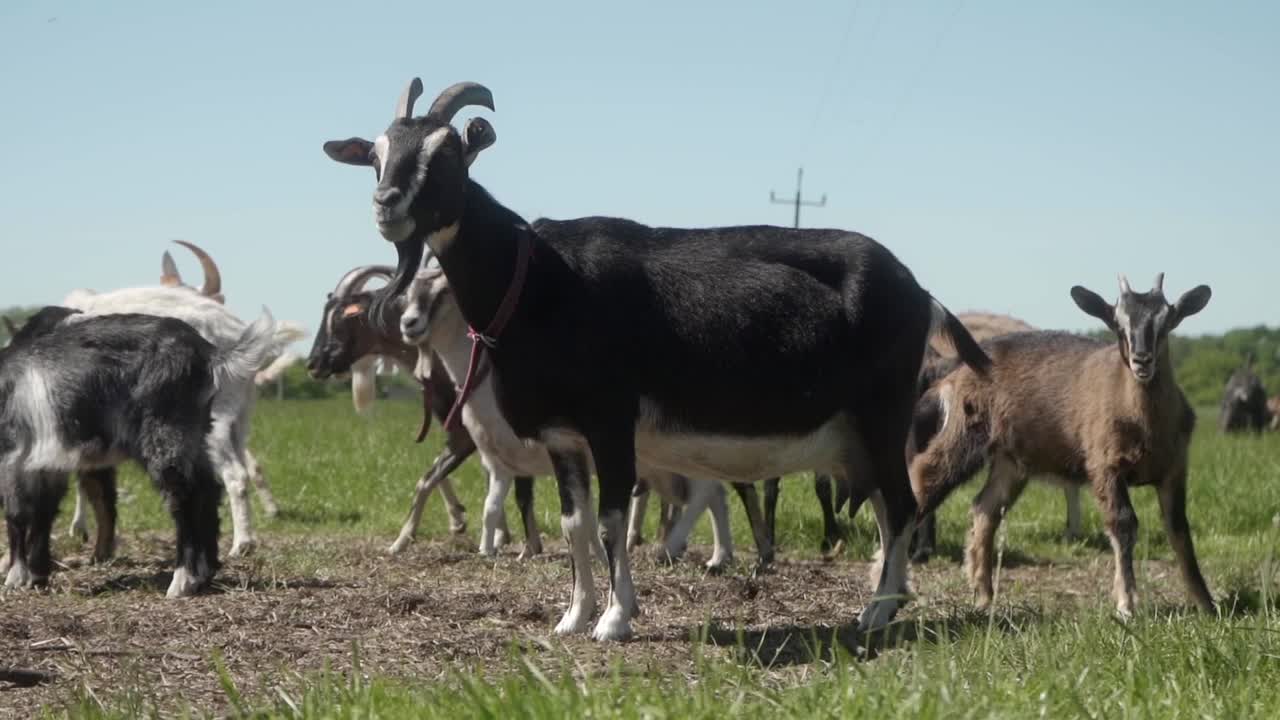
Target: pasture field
[320, 623]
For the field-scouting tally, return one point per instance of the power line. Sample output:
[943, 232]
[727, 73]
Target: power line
[799, 200]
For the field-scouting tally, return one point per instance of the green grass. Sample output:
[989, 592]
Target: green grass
[336, 474]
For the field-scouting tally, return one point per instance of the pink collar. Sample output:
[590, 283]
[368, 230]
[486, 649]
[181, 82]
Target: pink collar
[489, 338]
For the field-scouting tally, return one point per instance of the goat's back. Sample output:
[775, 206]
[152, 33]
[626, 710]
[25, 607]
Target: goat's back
[95, 386]
[721, 328]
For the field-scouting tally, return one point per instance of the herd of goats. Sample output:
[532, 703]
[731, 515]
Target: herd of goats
[681, 361]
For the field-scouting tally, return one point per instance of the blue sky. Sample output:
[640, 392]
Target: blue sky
[1004, 150]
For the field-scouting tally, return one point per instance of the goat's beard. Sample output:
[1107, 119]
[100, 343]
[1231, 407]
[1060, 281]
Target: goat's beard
[409, 257]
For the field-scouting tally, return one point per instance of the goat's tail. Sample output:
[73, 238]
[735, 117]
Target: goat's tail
[947, 326]
[285, 332]
[272, 372]
[241, 361]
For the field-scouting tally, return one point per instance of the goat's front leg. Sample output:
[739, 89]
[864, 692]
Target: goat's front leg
[761, 531]
[493, 531]
[1121, 523]
[1071, 493]
[1173, 508]
[79, 527]
[1005, 483]
[635, 520]
[822, 487]
[614, 452]
[445, 463]
[528, 517]
[576, 521]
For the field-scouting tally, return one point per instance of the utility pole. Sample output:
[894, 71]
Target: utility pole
[773, 198]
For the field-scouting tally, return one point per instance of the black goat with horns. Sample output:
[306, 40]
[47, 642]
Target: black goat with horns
[734, 353]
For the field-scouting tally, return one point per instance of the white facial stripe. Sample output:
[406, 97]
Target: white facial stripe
[430, 145]
[382, 148]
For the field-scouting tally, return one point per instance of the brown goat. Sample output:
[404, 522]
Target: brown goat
[1109, 415]
[1273, 407]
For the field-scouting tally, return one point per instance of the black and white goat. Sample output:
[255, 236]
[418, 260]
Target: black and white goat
[732, 353]
[1109, 415]
[233, 404]
[82, 393]
[345, 343]
[432, 320]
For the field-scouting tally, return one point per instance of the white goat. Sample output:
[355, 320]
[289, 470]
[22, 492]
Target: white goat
[233, 404]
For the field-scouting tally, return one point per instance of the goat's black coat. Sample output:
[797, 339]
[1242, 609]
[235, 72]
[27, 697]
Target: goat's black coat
[747, 331]
[126, 385]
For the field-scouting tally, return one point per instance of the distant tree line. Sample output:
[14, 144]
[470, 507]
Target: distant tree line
[1202, 363]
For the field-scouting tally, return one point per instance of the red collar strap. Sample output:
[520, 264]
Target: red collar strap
[489, 338]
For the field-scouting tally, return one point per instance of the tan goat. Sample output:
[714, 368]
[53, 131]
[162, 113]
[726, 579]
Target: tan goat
[1107, 414]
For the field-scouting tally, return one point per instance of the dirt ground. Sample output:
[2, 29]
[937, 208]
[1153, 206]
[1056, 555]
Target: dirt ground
[439, 608]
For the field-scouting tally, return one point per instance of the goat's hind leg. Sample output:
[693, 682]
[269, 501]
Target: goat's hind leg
[99, 486]
[1005, 483]
[260, 485]
[193, 500]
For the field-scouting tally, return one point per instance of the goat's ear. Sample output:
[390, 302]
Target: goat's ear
[1093, 304]
[352, 309]
[1191, 302]
[352, 151]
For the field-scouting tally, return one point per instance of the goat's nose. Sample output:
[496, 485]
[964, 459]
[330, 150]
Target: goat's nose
[387, 196]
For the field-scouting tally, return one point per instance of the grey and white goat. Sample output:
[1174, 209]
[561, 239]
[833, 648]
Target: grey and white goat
[82, 392]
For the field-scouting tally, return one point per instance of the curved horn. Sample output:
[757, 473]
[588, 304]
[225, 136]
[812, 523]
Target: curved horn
[355, 280]
[169, 275]
[457, 96]
[1124, 285]
[212, 287]
[1159, 286]
[478, 135]
[404, 108]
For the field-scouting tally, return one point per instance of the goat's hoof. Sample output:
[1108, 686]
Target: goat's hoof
[399, 545]
[877, 615]
[920, 557]
[19, 577]
[718, 566]
[666, 556]
[79, 532]
[530, 551]
[488, 550]
[243, 548]
[634, 541]
[184, 584]
[614, 625]
[575, 623]
[982, 602]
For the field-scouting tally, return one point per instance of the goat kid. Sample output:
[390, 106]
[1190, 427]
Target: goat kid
[1110, 415]
[733, 353]
[82, 393]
